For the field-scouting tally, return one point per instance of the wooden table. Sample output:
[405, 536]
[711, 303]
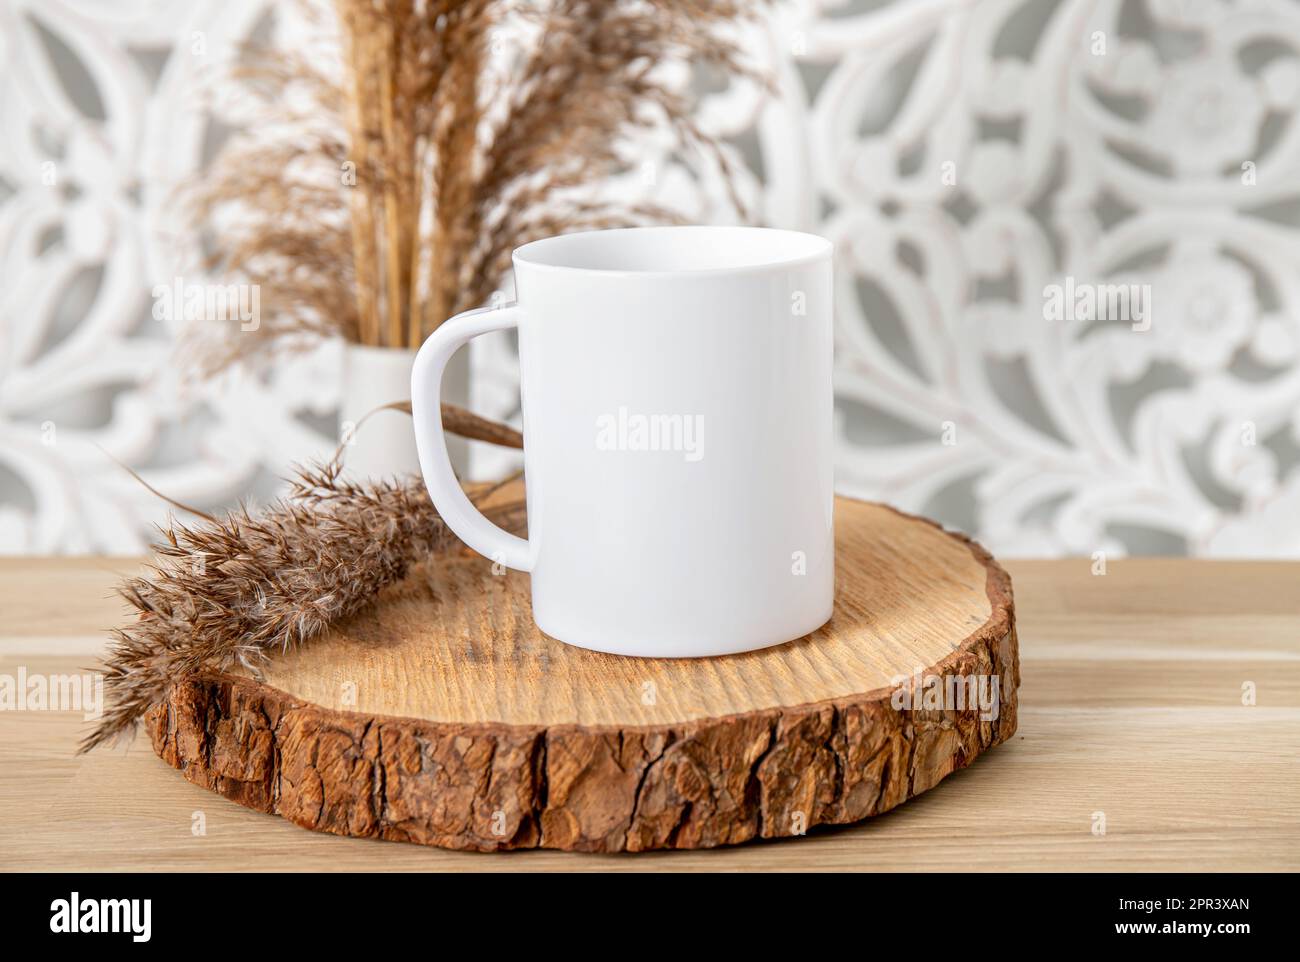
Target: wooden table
[1131, 706]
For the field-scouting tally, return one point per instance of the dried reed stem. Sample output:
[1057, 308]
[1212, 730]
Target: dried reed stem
[457, 160]
[233, 591]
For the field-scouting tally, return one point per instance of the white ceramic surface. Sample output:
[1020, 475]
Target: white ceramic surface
[379, 443]
[676, 386]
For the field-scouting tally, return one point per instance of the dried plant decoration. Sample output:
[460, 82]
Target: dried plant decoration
[404, 173]
[233, 591]
[442, 135]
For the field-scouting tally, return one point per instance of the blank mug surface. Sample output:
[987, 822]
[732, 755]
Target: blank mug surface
[677, 407]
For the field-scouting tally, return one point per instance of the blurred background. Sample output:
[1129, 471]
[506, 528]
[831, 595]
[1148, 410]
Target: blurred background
[970, 160]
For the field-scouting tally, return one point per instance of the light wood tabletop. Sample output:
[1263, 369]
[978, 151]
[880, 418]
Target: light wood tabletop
[1159, 731]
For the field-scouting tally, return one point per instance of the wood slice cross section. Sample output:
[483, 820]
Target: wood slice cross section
[443, 716]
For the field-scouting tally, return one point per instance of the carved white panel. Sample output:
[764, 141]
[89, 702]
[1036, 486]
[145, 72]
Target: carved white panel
[102, 118]
[965, 157]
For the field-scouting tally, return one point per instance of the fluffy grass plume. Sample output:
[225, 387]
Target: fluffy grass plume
[234, 590]
[439, 136]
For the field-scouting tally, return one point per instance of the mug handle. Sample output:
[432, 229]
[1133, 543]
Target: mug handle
[449, 498]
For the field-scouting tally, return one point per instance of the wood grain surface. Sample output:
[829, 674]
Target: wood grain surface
[1131, 708]
[442, 715]
[457, 643]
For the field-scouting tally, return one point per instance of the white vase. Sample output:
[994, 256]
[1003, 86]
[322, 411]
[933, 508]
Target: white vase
[382, 446]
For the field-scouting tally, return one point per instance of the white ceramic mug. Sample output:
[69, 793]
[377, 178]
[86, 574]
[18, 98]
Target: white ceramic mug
[677, 408]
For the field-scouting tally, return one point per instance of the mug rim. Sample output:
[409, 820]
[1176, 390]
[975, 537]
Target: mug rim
[819, 248]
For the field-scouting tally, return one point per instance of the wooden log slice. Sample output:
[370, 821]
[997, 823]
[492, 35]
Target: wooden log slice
[442, 716]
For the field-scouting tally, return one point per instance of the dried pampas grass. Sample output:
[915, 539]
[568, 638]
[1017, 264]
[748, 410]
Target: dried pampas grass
[231, 591]
[448, 133]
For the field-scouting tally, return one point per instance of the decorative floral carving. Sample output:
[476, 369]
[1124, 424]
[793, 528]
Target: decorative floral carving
[964, 157]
